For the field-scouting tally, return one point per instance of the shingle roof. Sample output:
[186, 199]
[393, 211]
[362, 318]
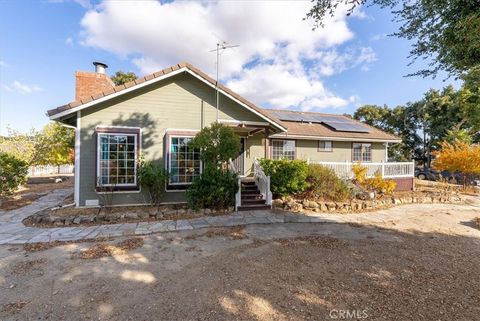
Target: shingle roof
[163, 72]
[293, 128]
[321, 130]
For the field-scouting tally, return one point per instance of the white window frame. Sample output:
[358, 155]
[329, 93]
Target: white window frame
[325, 149]
[283, 140]
[362, 148]
[170, 159]
[99, 150]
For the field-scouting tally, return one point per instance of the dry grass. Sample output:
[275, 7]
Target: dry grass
[476, 221]
[29, 193]
[104, 250]
[14, 307]
[236, 233]
[25, 267]
[37, 247]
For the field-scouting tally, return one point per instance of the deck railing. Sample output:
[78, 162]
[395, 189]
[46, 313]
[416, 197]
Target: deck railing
[238, 195]
[263, 182]
[388, 169]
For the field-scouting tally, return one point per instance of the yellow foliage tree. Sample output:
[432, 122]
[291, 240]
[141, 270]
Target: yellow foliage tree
[376, 183]
[458, 157]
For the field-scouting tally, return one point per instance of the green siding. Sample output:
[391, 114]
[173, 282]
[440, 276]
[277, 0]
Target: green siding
[341, 151]
[181, 102]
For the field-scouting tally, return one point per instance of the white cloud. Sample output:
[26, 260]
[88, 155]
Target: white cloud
[69, 41]
[378, 37]
[21, 88]
[280, 59]
[3, 63]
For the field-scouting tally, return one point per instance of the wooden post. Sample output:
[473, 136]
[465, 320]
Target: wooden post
[267, 143]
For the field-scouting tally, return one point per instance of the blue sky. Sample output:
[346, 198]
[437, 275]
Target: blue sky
[280, 61]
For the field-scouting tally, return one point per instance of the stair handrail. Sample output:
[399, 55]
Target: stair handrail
[263, 182]
[238, 194]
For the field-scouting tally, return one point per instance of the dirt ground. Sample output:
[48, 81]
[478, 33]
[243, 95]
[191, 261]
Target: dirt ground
[412, 267]
[34, 189]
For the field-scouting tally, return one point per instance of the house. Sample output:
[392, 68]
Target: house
[155, 117]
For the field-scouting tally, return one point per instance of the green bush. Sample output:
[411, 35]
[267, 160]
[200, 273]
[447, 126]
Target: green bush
[325, 184]
[286, 176]
[153, 178]
[214, 189]
[13, 173]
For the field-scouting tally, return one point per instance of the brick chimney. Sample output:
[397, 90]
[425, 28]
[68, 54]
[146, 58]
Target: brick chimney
[91, 83]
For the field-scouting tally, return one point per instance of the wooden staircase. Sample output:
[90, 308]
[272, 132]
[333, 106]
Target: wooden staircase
[251, 198]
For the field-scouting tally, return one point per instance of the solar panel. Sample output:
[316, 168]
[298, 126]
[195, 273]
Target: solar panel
[335, 122]
[348, 127]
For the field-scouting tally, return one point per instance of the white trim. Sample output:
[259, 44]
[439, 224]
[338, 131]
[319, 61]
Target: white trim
[338, 139]
[115, 127]
[137, 143]
[154, 80]
[244, 122]
[169, 158]
[76, 190]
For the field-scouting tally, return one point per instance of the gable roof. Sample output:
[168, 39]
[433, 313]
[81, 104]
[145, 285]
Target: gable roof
[290, 128]
[74, 106]
[319, 130]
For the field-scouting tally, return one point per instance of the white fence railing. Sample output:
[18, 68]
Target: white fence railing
[238, 195]
[49, 170]
[263, 182]
[388, 170]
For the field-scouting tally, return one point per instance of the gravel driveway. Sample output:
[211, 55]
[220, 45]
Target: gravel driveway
[421, 263]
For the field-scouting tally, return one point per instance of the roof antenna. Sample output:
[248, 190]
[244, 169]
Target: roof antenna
[221, 46]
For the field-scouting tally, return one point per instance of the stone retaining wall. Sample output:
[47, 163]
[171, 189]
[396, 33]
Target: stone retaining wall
[297, 205]
[47, 218]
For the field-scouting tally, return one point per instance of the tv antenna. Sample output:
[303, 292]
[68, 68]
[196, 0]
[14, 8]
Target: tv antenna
[221, 46]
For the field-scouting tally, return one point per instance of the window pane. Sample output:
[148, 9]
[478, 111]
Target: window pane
[283, 149]
[184, 161]
[113, 165]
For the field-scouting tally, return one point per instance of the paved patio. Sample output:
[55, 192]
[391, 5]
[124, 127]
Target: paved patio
[12, 230]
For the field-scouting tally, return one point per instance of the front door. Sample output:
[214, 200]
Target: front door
[239, 162]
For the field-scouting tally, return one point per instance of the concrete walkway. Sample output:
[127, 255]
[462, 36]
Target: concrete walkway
[12, 230]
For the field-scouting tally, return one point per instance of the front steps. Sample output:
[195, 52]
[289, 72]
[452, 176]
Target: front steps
[251, 198]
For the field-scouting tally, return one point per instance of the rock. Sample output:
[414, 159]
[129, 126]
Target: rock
[311, 204]
[297, 207]
[397, 201]
[58, 180]
[132, 216]
[207, 211]
[323, 207]
[77, 220]
[277, 203]
[143, 215]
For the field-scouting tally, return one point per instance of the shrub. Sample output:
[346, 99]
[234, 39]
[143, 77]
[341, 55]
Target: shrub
[213, 189]
[376, 183]
[13, 173]
[324, 183]
[217, 144]
[286, 176]
[153, 177]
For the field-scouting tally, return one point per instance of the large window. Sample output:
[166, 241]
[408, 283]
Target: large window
[362, 152]
[283, 149]
[324, 146]
[184, 163]
[117, 159]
